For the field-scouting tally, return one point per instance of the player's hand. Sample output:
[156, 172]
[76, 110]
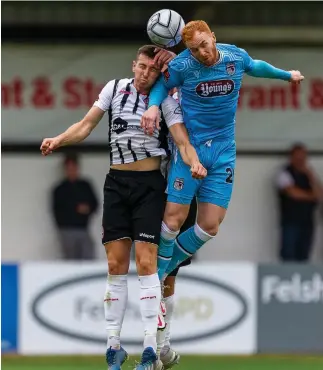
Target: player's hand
[296, 77]
[163, 57]
[198, 171]
[150, 120]
[49, 145]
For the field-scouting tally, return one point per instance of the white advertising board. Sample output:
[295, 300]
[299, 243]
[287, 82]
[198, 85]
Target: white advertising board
[61, 309]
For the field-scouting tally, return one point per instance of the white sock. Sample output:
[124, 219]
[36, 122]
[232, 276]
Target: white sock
[161, 334]
[170, 305]
[115, 302]
[150, 295]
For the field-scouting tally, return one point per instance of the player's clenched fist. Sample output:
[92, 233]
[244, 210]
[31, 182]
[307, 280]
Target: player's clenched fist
[198, 171]
[296, 77]
[49, 145]
[150, 120]
[163, 57]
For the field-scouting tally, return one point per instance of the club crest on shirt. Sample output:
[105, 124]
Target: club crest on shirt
[179, 184]
[231, 68]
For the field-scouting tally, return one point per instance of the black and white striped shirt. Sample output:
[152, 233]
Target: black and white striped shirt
[127, 140]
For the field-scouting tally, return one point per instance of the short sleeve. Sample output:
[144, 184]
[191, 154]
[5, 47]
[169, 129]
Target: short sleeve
[284, 180]
[104, 99]
[171, 111]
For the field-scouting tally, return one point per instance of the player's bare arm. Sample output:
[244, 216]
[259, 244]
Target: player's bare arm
[188, 153]
[75, 133]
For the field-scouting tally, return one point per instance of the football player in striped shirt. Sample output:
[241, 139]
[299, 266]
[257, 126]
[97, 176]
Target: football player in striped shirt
[133, 195]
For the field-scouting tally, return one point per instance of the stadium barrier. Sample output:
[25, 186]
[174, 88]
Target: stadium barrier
[221, 308]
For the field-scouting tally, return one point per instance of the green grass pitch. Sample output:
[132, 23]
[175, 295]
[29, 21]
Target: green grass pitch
[187, 363]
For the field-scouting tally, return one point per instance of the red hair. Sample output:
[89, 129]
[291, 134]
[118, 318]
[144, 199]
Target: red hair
[193, 26]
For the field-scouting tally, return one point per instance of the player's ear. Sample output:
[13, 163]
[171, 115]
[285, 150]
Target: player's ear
[213, 35]
[133, 65]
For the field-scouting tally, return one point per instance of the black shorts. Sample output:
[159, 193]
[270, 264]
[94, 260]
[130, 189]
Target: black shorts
[189, 222]
[133, 206]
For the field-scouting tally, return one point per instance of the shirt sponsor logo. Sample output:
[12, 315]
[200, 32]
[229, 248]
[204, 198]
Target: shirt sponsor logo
[125, 92]
[119, 125]
[210, 89]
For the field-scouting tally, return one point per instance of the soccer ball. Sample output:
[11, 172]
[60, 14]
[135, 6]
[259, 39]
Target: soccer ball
[164, 28]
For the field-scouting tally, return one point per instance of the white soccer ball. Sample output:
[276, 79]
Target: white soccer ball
[164, 28]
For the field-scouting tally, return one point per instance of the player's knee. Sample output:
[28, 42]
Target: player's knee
[210, 229]
[174, 220]
[175, 216]
[173, 224]
[146, 261]
[146, 266]
[117, 267]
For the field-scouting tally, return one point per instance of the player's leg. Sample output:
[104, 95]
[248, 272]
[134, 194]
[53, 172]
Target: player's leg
[214, 196]
[148, 207]
[150, 293]
[116, 238]
[116, 294]
[168, 356]
[181, 189]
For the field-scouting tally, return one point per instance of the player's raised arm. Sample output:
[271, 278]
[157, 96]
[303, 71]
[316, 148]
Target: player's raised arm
[169, 79]
[75, 133]
[260, 68]
[188, 152]
[81, 130]
[174, 120]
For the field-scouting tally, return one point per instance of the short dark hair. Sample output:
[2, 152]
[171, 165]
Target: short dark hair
[71, 158]
[296, 147]
[148, 50]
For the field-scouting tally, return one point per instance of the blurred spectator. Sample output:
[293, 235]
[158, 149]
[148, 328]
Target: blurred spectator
[299, 192]
[74, 201]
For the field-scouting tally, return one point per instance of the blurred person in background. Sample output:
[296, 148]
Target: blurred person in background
[133, 196]
[74, 202]
[299, 192]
